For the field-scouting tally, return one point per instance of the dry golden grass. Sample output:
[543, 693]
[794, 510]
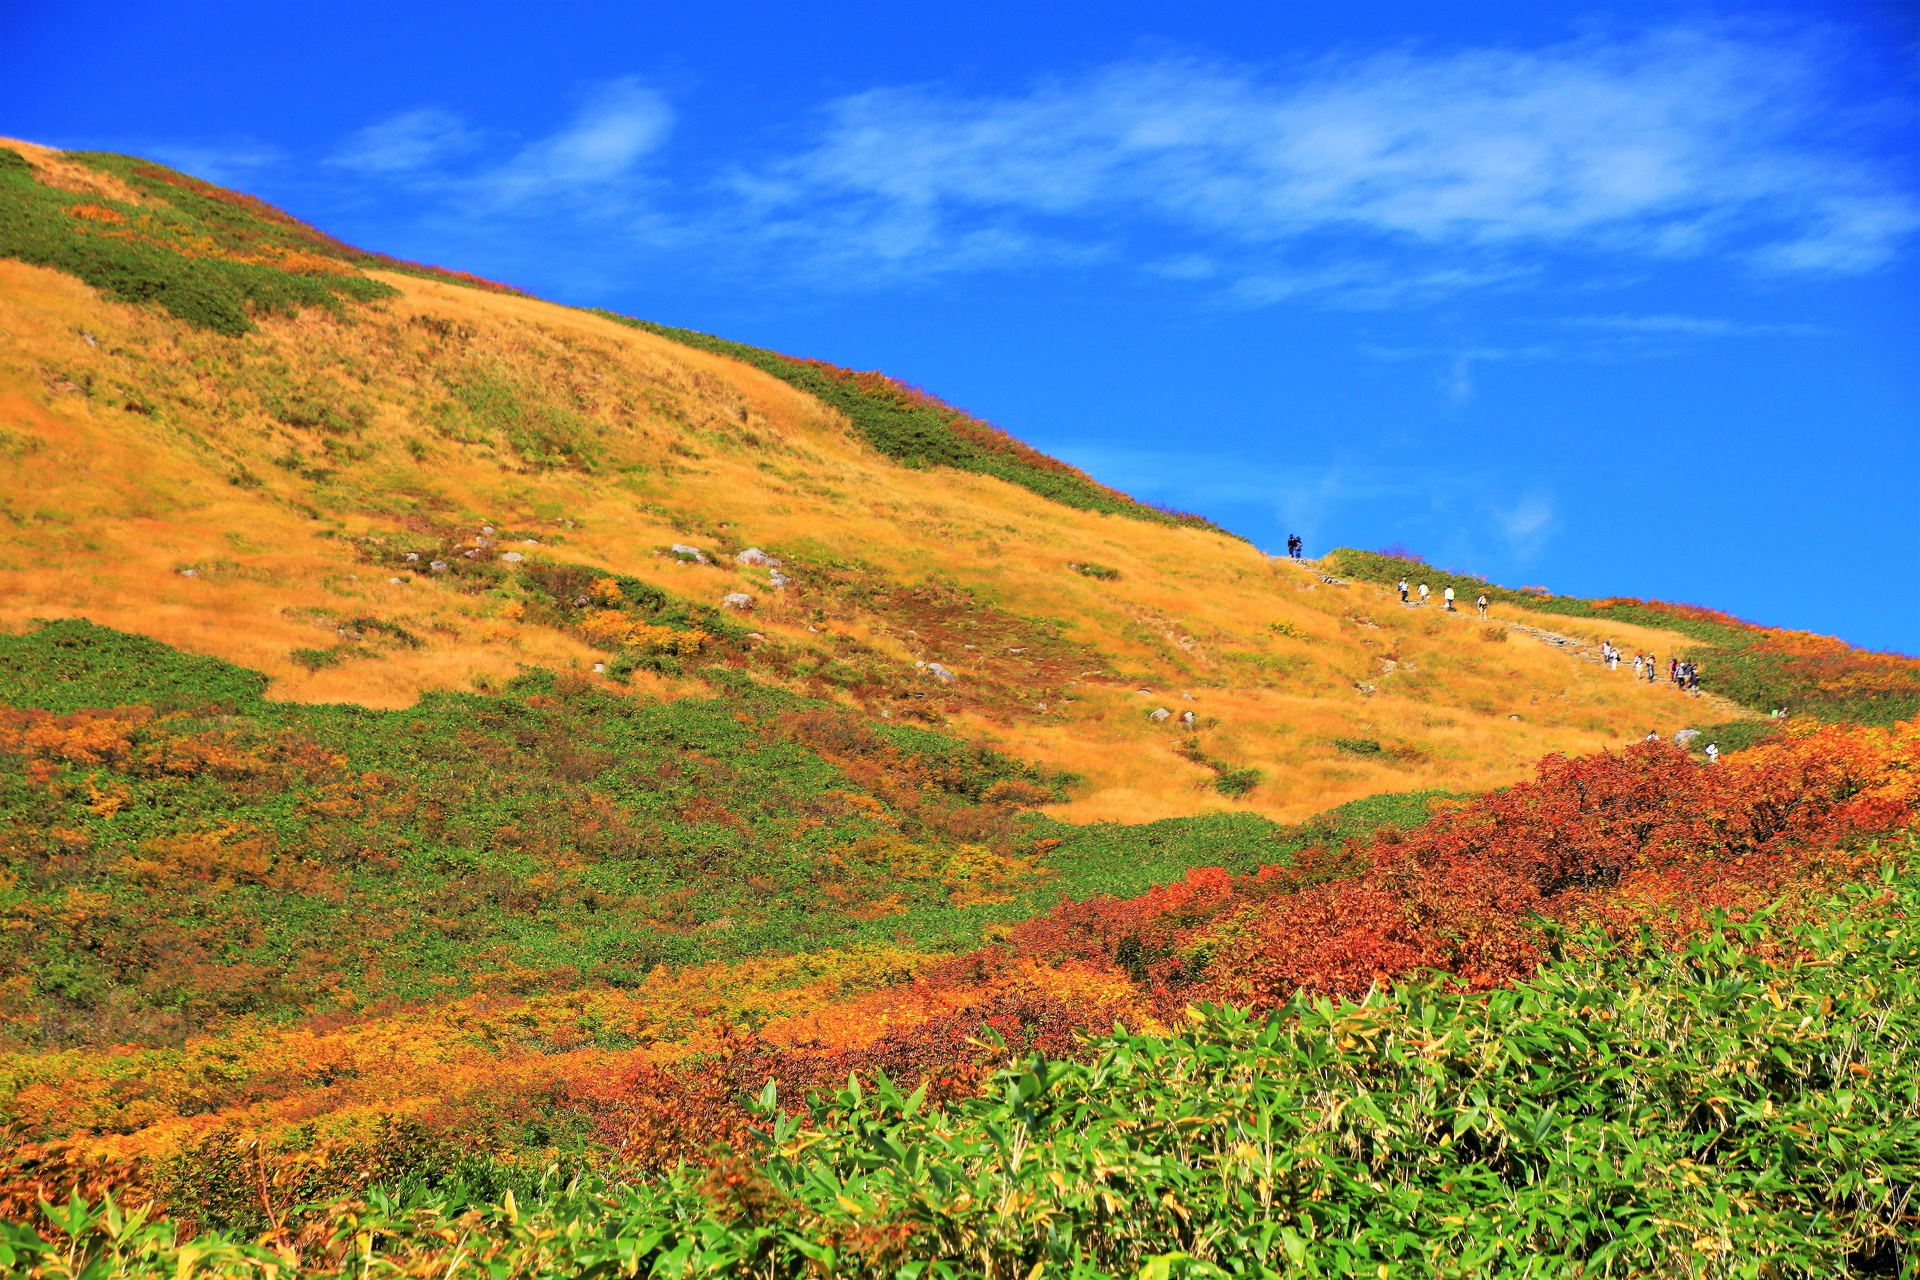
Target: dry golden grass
[125, 431]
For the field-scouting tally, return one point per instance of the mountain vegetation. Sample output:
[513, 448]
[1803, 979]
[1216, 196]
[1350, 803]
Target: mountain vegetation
[489, 788]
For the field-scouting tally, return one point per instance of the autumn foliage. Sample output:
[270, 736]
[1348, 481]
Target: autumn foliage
[1644, 840]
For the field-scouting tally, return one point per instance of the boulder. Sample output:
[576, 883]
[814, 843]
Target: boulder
[940, 673]
[413, 557]
[755, 557]
[779, 580]
[1186, 719]
[1685, 736]
[1159, 715]
[513, 557]
[737, 600]
[686, 552]
[438, 566]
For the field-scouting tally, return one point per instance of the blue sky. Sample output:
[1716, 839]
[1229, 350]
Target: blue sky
[1621, 300]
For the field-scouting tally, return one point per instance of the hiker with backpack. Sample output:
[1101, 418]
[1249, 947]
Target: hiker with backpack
[1403, 591]
[1482, 604]
[1448, 594]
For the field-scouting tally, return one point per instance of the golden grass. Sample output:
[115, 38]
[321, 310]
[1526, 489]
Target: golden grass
[102, 505]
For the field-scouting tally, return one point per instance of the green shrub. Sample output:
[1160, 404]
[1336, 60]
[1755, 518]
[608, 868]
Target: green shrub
[134, 253]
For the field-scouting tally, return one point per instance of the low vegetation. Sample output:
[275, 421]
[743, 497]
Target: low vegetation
[1741, 1106]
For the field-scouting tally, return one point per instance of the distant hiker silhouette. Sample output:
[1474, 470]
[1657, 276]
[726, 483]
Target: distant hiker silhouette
[1403, 591]
[1294, 546]
[1481, 604]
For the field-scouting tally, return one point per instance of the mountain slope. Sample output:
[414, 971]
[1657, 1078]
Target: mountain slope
[253, 495]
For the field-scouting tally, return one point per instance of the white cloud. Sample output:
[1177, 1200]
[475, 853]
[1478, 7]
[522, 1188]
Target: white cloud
[1668, 325]
[409, 143]
[595, 159]
[1449, 170]
[619, 125]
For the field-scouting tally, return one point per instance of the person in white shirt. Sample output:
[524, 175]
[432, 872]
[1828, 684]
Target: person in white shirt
[1713, 753]
[1424, 593]
[1403, 591]
[1449, 597]
[1482, 603]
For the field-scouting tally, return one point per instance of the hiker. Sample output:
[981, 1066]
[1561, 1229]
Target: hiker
[1449, 598]
[1673, 670]
[1424, 593]
[1713, 753]
[1403, 591]
[1637, 663]
[1294, 546]
[1653, 735]
[1482, 603]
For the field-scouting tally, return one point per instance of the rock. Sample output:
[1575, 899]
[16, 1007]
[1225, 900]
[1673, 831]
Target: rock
[1148, 692]
[438, 566]
[473, 554]
[599, 668]
[755, 556]
[1685, 736]
[189, 573]
[487, 529]
[686, 552]
[413, 557]
[755, 636]
[482, 542]
[396, 582]
[737, 600]
[917, 663]
[779, 580]
[1186, 719]
[531, 542]
[513, 557]
[940, 673]
[1040, 706]
[1159, 715]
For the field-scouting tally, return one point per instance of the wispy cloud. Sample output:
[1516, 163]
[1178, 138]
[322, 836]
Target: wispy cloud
[1402, 170]
[412, 143]
[595, 159]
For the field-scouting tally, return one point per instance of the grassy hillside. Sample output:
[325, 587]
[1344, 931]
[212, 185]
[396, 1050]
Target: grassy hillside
[277, 497]
[429, 832]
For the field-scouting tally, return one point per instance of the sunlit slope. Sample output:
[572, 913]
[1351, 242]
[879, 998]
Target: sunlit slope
[255, 496]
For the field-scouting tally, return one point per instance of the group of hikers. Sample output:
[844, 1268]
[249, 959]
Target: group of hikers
[1683, 675]
[1445, 596]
